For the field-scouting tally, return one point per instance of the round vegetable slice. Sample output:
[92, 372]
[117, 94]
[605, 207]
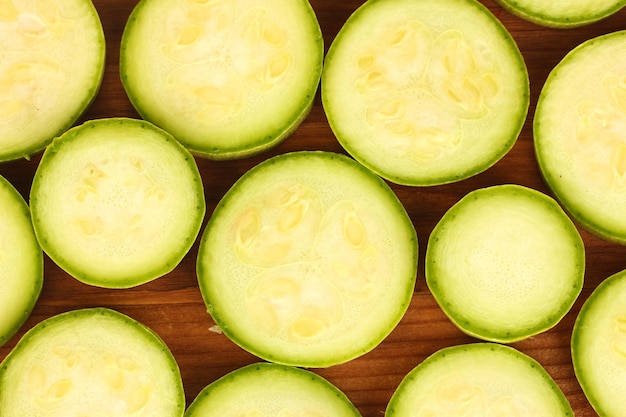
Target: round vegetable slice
[21, 262]
[562, 14]
[599, 347]
[505, 263]
[92, 361]
[425, 92]
[117, 202]
[479, 379]
[309, 260]
[227, 78]
[52, 63]
[580, 137]
[267, 389]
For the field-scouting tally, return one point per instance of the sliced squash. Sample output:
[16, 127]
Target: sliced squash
[505, 263]
[563, 14]
[425, 92]
[53, 56]
[21, 262]
[599, 347]
[269, 390]
[93, 361]
[308, 260]
[228, 78]
[580, 134]
[478, 379]
[117, 202]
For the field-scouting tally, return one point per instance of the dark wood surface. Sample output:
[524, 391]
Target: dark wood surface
[173, 307]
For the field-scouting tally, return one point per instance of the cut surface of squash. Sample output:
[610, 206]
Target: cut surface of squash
[90, 361]
[478, 379]
[267, 390]
[599, 346]
[308, 260]
[580, 134]
[21, 262]
[563, 14]
[425, 92]
[505, 263]
[53, 56]
[228, 78]
[117, 202]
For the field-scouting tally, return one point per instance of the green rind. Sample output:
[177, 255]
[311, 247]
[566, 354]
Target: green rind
[607, 229]
[14, 209]
[213, 297]
[266, 387]
[563, 20]
[596, 363]
[38, 334]
[89, 96]
[498, 370]
[266, 138]
[91, 274]
[458, 218]
[346, 138]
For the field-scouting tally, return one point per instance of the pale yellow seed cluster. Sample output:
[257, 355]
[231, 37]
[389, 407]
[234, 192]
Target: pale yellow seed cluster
[599, 136]
[312, 259]
[225, 56]
[417, 87]
[99, 186]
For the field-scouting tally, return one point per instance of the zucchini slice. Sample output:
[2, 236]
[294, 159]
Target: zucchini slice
[599, 347]
[267, 389]
[562, 14]
[478, 379]
[505, 263]
[51, 67]
[21, 262]
[117, 202]
[93, 361]
[425, 92]
[580, 139]
[228, 79]
[308, 260]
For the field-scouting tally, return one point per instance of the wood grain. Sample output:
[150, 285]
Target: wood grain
[173, 307]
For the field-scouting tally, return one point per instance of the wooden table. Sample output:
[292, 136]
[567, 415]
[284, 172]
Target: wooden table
[173, 307]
